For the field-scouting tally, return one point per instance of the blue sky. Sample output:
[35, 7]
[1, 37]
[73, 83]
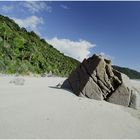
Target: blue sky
[80, 29]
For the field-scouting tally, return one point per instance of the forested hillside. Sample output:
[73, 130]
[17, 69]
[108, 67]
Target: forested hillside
[133, 74]
[24, 52]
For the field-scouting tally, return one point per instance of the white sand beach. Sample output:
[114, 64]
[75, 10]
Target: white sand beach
[39, 110]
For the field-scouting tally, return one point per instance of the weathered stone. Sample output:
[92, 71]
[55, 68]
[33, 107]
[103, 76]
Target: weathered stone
[96, 79]
[65, 85]
[115, 81]
[105, 90]
[120, 96]
[78, 79]
[92, 90]
[117, 76]
[109, 70]
[95, 66]
[91, 64]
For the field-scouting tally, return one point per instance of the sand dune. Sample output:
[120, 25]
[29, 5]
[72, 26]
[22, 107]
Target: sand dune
[39, 110]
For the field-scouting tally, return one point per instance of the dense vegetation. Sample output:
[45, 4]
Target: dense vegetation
[24, 52]
[129, 72]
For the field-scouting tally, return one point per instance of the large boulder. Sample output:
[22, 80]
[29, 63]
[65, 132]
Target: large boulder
[95, 78]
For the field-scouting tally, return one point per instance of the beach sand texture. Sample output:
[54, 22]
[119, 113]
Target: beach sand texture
[38, 109]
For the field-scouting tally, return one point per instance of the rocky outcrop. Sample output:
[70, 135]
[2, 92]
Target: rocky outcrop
[96, 79]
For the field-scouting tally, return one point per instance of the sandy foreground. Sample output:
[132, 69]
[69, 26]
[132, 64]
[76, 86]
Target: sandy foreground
[40, 110]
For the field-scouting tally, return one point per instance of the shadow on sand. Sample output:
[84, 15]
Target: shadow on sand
[55, 87]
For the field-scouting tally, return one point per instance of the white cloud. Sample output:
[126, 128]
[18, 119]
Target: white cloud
[30, 23]
[64, 6]
[36, 6]
[76, 49]
[6, 8]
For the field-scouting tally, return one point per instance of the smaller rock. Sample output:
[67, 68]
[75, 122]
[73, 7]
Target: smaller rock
[18, 81]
